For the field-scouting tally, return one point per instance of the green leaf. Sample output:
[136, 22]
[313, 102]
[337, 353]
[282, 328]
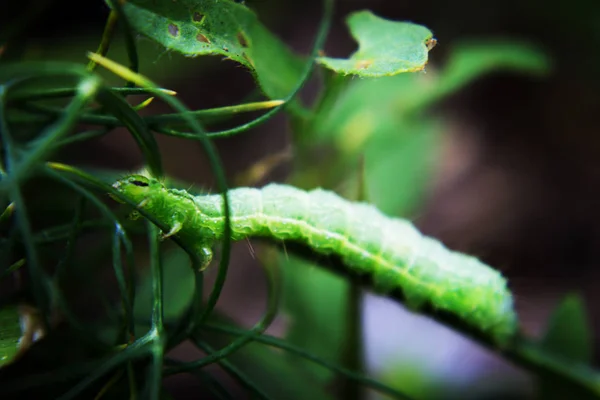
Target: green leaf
[385, 120]
[386, 47]
[366, 106]
[568, 333]
[315, 303]
[10, 333]
[226, 28]
[399, 164]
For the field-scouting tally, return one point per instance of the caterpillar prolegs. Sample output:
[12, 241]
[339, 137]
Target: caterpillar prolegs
[390, 250]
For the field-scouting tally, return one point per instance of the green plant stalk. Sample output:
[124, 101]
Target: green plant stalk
[158, 329]
[126, 284]
[352, 356]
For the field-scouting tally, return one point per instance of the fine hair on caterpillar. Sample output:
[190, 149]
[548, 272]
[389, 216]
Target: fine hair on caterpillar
[388, 252]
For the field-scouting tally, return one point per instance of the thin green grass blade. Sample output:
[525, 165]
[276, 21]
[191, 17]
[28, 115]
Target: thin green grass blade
[118, 107]
[274, 297]
[308, 68]
[137, 349]
[86, 91]
[213, 160]
[40, 285]
[300, 352]
[238, 374]
[125, 285]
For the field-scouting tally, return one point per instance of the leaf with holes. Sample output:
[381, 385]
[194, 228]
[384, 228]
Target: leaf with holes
[226, 28]
[385, 47]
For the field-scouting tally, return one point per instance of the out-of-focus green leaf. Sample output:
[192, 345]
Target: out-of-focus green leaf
[226, 28]
[568, 332]
[384, 120]
[399, 163]
[10, 333]
[315, 303]
[386, 47]
[368, 105]
[413, 379]
[568, 335]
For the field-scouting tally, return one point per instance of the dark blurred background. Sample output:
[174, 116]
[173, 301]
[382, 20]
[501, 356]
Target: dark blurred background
[519, 181]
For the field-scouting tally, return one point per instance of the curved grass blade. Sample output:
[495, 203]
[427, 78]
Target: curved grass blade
[94, 182]
[273, 341]
[126, 286]
[213, 160]
[308, 68]
[136, 125]
[137, 349]
[270, 314]
[86, 91]
[211, 113]
[39, 279]
[28, 94]
[238, 374]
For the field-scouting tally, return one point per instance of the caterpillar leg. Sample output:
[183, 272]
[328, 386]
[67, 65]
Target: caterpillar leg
[206, 255]
[176, 224]
[134, 215]
[176, 228]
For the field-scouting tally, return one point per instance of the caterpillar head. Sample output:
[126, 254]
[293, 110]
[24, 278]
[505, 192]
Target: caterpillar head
[137, 188]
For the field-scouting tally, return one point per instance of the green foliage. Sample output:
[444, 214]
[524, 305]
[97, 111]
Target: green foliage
[208, 27]
[567, 335]
[114, 305]
[324, 306]
[568, 332]
[386, 48]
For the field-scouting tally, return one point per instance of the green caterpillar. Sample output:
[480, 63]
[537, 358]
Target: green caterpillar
[389, 250]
